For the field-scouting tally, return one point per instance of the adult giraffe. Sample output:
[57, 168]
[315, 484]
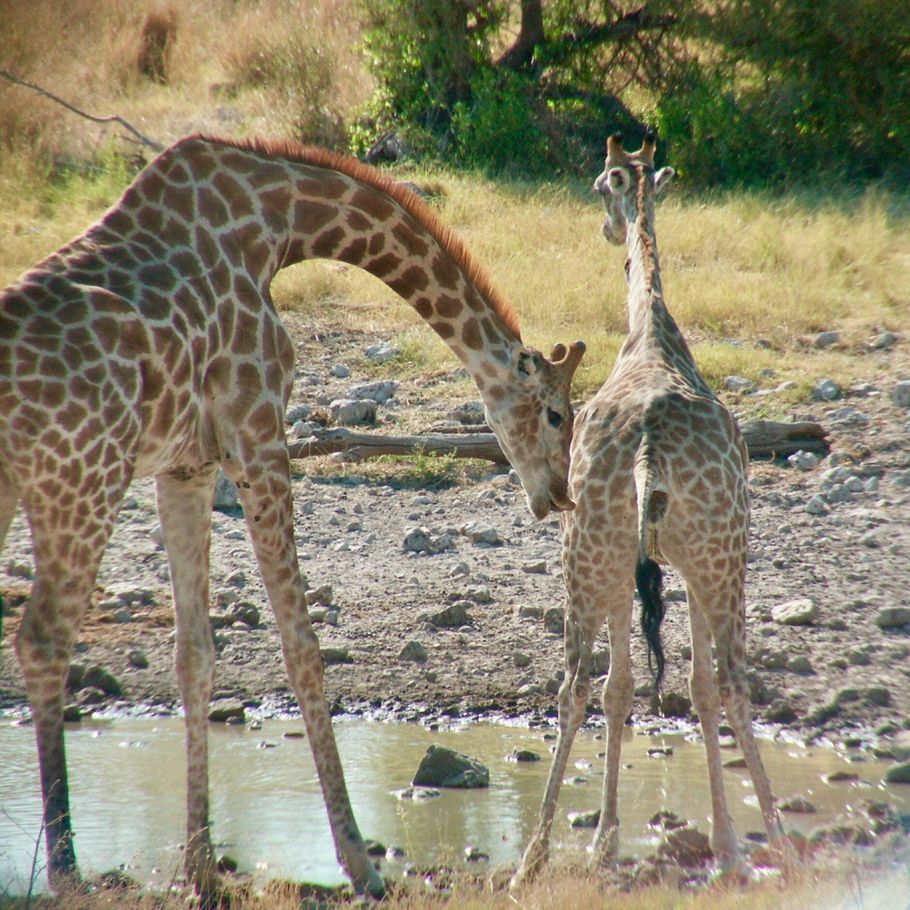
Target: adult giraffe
[658, 472]
[149, 345]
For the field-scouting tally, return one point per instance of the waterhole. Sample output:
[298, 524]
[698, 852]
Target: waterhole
[127, 793]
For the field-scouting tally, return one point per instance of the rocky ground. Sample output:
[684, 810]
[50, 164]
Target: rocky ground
[463, 617]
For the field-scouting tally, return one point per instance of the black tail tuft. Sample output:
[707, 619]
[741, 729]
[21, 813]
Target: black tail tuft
[649, 580]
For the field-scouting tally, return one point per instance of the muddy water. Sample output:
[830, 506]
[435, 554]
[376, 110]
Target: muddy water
[127, 791]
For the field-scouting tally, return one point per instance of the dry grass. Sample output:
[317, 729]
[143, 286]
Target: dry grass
[745, 275]
[560, 890]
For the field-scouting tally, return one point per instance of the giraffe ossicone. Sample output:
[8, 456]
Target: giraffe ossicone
[150, 345]
[659, 475]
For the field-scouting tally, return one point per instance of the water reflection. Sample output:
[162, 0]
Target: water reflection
[127, 791]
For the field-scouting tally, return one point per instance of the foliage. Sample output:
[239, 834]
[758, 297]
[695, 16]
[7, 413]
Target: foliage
[446, 86]
[742, 90]
[794, 90]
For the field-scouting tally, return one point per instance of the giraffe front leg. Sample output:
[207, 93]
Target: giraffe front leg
[66, 563]
[185, 510]
[572, 698]
[44, 667]
[265, 493]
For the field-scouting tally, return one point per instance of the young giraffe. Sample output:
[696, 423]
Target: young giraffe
[150, 346]
[658, 472]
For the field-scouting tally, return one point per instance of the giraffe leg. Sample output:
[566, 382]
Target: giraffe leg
[617, 701]
[734, 692]
[68, 544]
[706, 700]
[185, 510]
[572, 698]
[265, 493]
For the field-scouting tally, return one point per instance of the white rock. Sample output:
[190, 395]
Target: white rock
[804, 461]
[799, 612]
[380, 392]
[350, 412]
[817, 506]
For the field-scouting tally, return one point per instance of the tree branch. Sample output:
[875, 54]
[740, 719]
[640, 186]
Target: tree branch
[763, 438]
[144, 140]
[588, 34]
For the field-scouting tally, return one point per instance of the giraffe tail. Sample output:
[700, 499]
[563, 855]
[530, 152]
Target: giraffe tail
[652, 506]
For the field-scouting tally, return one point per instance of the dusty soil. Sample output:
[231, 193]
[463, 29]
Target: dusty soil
[841, 674]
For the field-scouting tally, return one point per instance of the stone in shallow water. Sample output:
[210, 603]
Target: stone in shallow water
[584, 819]
[442, 767]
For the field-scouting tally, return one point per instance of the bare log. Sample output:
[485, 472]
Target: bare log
[358, 446]
[763, 438]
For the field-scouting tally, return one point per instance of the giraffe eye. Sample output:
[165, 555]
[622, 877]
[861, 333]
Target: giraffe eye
[555, 418]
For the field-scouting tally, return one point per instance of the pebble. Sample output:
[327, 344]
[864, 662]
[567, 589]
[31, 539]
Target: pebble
[900, 394]
[352, 412]
[804, 461]
[739, 384]
[379, 392]
[341, 371]
[797, 804]
[382, 352]
[413, 652]
[826, 390]
[226, 496]
[800, 612]
[825, 340]
[892, 617]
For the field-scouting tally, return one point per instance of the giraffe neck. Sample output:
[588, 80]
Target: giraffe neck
[258, 207]
[653, 332]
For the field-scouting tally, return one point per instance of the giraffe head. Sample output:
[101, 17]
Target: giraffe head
[619, 183]
[531, 414]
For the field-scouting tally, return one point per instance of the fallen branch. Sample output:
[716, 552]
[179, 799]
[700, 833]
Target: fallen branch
[358, 446]
[144, 140]
[763, 438]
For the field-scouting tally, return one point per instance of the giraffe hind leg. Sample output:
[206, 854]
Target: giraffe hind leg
[706, 701]
[185, 510]
[617, 703]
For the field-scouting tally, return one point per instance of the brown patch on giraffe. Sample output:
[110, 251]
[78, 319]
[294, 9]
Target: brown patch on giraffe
[211, 207]
[326, 244]
[354, 251]
[470, 333]
[449, 307]
[444, 330]
[423, 306]
[413, 243]
[368, 200]
[376, 244]
[180, 201]
[150, 219]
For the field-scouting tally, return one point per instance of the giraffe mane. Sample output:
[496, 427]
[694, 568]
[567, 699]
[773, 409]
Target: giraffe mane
[408, 200]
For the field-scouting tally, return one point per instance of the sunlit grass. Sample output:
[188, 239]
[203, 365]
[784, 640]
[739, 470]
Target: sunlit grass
[558, 890]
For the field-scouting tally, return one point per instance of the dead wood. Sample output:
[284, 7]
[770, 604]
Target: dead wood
[764, 438]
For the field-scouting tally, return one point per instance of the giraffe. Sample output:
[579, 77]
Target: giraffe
[658, 474]
[150, 345]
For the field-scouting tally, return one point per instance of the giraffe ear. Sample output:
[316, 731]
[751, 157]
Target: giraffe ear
[662, 178]
[526, 364]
